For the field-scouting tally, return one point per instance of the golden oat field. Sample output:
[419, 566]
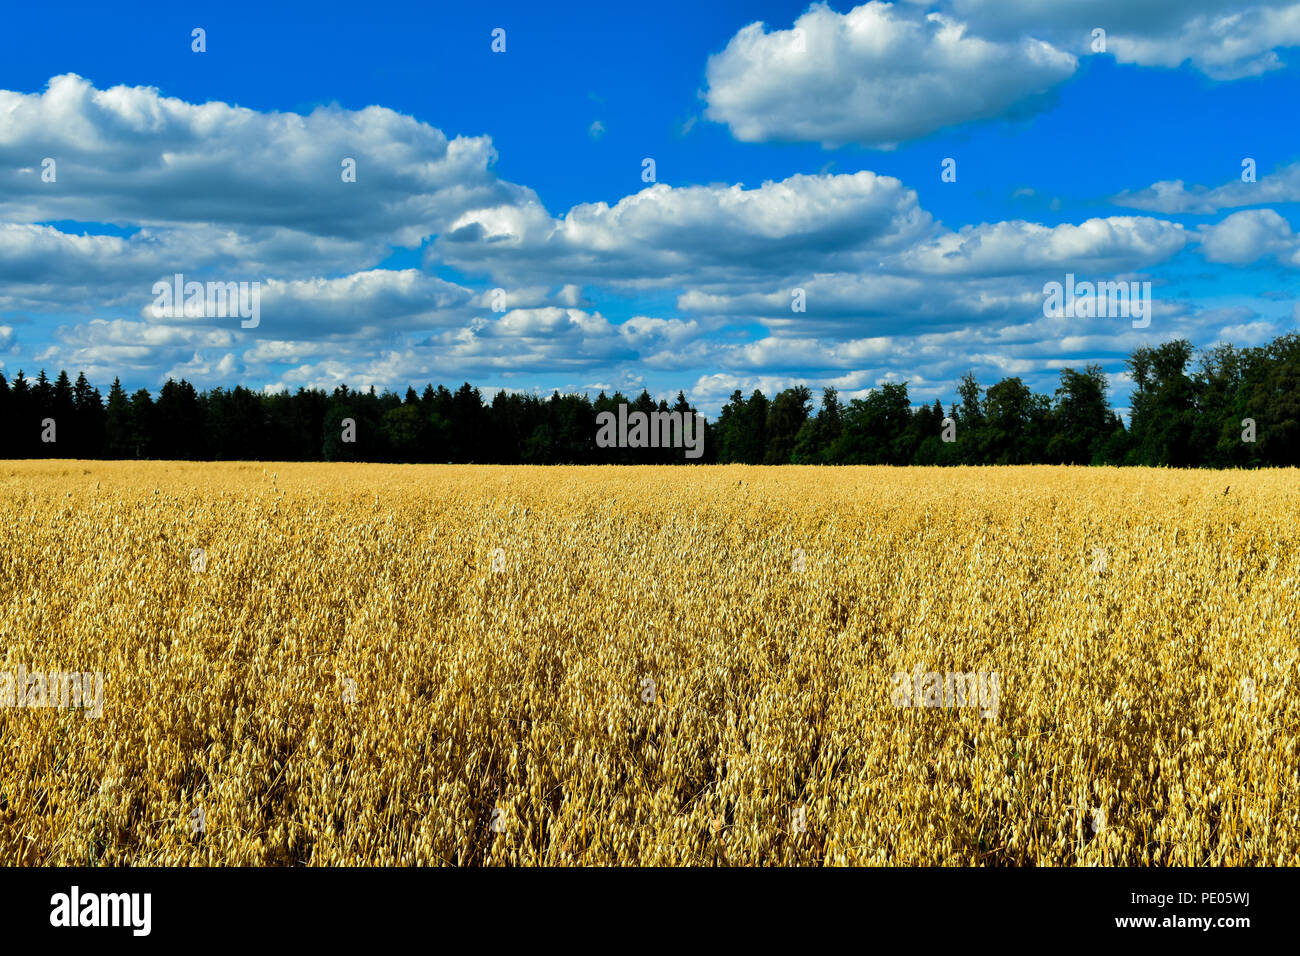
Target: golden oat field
[389, 664]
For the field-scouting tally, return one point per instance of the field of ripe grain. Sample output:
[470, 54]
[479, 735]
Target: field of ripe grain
[372, 664]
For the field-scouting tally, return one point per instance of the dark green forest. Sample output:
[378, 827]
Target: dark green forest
[1224, 407]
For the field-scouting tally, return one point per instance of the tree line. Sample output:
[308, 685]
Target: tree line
[1222, 407]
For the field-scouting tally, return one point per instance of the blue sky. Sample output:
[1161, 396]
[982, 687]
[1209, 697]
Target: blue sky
[794, 147]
